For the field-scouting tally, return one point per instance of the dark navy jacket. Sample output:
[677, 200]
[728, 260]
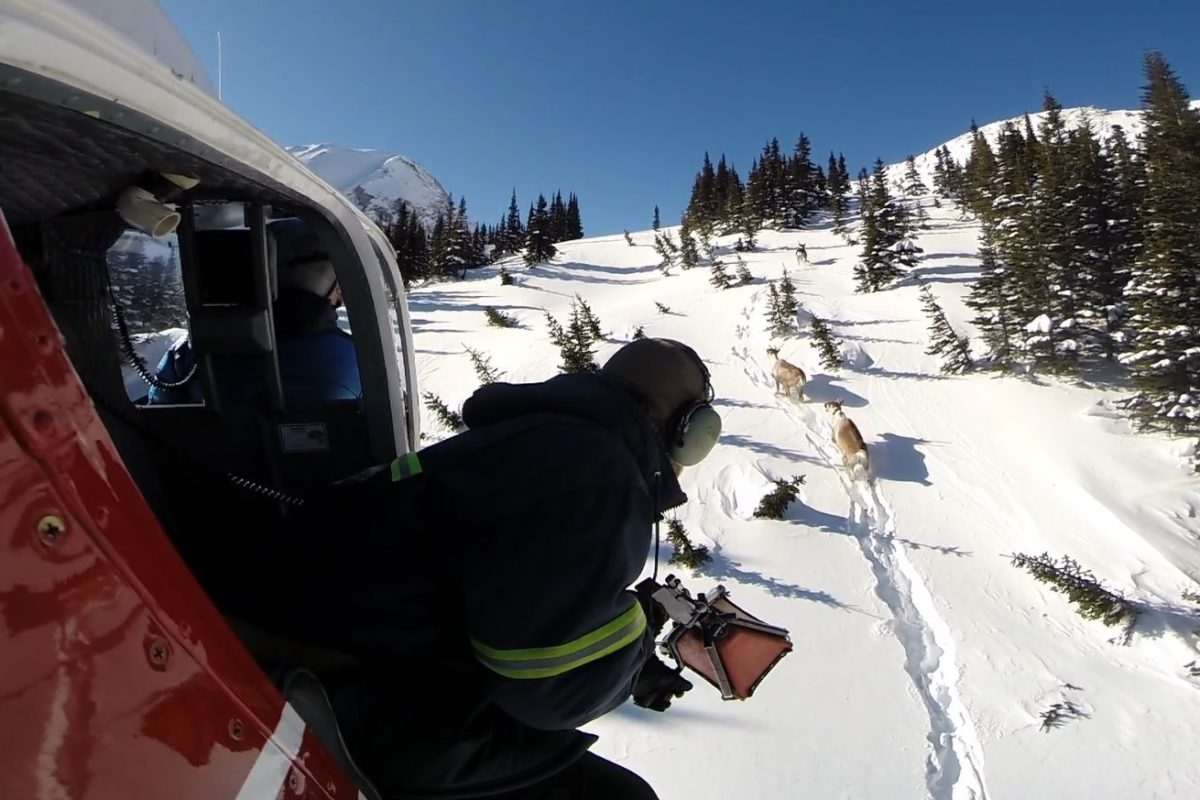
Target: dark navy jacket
[485, 597]
[317, 363]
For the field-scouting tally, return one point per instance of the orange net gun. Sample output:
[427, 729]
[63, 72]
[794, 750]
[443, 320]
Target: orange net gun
[726, 645]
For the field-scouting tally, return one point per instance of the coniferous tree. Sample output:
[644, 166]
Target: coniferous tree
[802, 196]
[885, 246]
[976, 193]
[513, 236]
[449, 418]
[748, 225]
[628, 239]
[828, 349]
[719, 277]
[944, 341]
[744, 276]
[996, 302]
[777, 322]
[1052, 320]
[789, 306]
[1164, 293]
[574, 224]
[590, 321]
[667, 250]
[656, 224]
[685, 553]
[483, 367]
[1091, 598]
[775, 504]
[914, 185]
[689, 256]
[838, 185]
[539, 245]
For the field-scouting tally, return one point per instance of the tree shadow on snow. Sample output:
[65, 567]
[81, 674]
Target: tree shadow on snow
[765, 448]
[581, 272]
[823, 388]
[1156, 620]
[723, 568]
[731, 403]
[897, 458]
[946, 550]
[801, 512]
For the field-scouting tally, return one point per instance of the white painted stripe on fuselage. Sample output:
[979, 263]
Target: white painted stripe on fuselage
[275, 759]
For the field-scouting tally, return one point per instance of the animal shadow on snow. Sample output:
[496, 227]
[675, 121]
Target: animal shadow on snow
[822, 388]
[897, 458]
[722, 568]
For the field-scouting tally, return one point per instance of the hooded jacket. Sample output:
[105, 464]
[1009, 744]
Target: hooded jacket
[483, 588]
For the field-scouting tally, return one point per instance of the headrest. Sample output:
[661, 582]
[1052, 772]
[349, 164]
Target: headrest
[303, 260]
[225, 264]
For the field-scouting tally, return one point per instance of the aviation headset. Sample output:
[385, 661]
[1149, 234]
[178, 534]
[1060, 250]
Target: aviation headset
[695, 426]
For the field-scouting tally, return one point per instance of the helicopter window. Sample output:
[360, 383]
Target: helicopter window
[147, 286]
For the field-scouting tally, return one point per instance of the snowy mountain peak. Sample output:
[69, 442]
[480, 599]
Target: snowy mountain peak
[384, 176]
[1101, 120]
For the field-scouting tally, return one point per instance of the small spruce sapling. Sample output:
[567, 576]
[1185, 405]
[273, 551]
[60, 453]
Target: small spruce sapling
[777, 321]
[590, 321]
[483, 367]
[1091, 598]
[629, 239]
[662, 309]
[774, 505]
[442, 412]
[955, 349]
[788, 305]
[574, 342]
[686, 553]
[743, 272]
[1058, 714]
[719, 277]
[639, 332]
[498, 319]
[506, 278]
[828, 349]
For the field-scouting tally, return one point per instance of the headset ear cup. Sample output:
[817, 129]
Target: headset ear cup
[696, 434]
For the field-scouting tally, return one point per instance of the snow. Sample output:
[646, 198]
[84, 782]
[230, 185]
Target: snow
[386, 176]
[923, 658]
[151, 347]
[1039, 324]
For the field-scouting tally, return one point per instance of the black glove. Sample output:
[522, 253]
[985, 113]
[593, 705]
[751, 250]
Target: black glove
[657, 683]
[656, 615]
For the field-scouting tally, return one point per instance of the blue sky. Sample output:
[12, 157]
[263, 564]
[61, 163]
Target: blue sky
[618, 100]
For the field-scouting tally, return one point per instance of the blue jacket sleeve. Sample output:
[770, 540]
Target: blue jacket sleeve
[548, 609]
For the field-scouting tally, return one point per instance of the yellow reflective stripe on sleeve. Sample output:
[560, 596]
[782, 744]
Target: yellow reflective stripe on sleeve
[546, 662]
[405, 467]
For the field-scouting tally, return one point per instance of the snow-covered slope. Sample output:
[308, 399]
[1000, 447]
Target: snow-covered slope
[384, 176]
[923, 659]
[1102, 122]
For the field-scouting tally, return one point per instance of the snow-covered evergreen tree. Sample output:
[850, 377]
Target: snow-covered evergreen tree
[953, 347]
[1163, 291]
[828, 349]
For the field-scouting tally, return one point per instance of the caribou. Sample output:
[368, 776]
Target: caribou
[789, 379]
[849, 441]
